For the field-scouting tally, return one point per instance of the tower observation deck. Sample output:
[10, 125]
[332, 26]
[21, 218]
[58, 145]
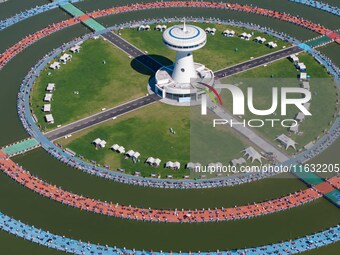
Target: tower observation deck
[178, 81]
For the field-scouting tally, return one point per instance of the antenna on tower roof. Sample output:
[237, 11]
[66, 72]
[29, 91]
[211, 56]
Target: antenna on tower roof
[184, 26]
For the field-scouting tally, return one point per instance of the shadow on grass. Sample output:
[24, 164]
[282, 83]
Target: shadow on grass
[141, 63]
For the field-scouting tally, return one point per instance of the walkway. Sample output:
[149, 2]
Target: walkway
[50, 191]
[85, 19]
[326, 188]
[21, 147]
[61, 243]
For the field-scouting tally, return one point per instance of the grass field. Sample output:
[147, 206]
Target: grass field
[99, 85]
[147, 131]
[219, 52]
[122, 79]
[323, 102]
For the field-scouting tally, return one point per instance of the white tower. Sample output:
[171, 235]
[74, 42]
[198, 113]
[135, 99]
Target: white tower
[184, 39]
[180, 81]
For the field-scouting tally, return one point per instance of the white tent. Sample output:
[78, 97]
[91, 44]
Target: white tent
[50, 87]
[130, 153]
[305, 85]
[169, 164]
[306, 105]
[294, 129]
[99, 143]
[47, 108]
[157, 162]
[252, 154]
[272, 45]
[48, 97]
[260, 39]
[286, 141]
[159, 27]
[301, 66]
[55, 65]
[300, 116]
[115, 147]
[121, 149]
[303, 76]
[75, 49]
[177, 165]
[65, 58]
[294, 58]
[49, 119]
[141, 28]
[239, 161]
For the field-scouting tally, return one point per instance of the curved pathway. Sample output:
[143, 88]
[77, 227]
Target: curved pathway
[61, 243]
[154, 215]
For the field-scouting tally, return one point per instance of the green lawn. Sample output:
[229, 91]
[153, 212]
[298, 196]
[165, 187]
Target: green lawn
[147, 131]
[323, 103]
[100, 85]
[219, 52]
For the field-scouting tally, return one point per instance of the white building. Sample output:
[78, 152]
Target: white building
[180, 81]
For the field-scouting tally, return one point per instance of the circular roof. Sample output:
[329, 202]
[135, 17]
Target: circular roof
[184, 36]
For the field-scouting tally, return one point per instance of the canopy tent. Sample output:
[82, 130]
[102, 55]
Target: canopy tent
[305, 85]
[300, 117]
[294, 58]
[239, 161]
[252, 154]
[99, 143]
[47, 108]
[49, 119]
[48, 97]
[65, 58]
[75, 49]
[50, 87]
[55, 65]
[294, 129]
[286, 141]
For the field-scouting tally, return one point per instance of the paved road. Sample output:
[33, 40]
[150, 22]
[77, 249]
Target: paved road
[100, 117]
[132, 51]
[256, 62]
